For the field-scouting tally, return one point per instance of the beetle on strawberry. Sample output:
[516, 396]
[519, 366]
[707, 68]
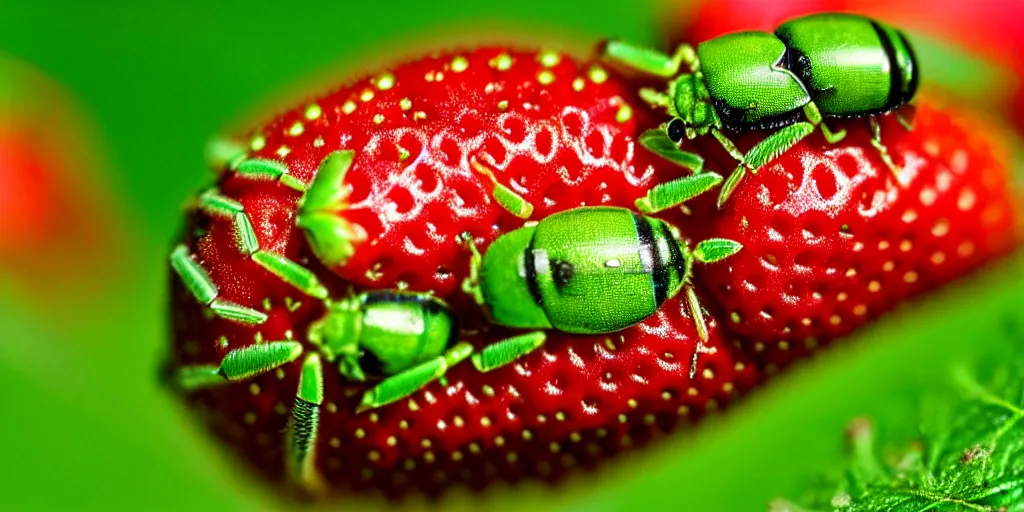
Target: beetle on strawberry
[358, 248]
[817, 66]
[257, 266]
[560, 273]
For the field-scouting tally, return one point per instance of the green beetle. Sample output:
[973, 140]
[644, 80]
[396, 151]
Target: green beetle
[813, 67]
[381, 333]
[588, 270]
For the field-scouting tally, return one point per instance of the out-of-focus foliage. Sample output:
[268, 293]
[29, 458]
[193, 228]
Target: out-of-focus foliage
[967, 454]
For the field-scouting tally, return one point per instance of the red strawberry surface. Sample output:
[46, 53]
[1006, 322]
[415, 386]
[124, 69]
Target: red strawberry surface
[832, 241]
[558, 132]
[542, 123]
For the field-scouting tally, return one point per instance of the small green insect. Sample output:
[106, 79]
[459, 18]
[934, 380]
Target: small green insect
[402, 339]
[589, 270]
[606, 269]
[818, 66]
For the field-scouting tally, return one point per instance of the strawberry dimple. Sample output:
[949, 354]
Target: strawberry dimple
[831, 241]
[573, 403]
[541, 124]
[431, 139]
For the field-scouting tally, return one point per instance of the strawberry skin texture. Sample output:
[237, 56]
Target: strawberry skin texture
[564, 138]
[830, 241]
[552, 131]
[573, 404]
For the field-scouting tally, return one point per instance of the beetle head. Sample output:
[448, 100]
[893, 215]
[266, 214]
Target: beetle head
[690, 106]
[337, 335]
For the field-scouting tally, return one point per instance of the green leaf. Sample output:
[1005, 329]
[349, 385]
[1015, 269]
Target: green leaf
[967, 454]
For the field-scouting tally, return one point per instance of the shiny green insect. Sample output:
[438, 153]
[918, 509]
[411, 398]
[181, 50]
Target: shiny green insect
[588, 270]
[814, 67]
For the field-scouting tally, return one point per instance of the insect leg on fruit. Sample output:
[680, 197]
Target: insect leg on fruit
[765, 151]
[657, 141]
[504, 196]
[268, 170]
[876, 141]
[676, 192]
[239, 364]
[198, 282]
[304, 423]
[401, 385]
[287, 270]
[503, 352]
[650, 61]
[813, 115]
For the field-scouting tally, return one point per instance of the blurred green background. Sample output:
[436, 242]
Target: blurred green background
[84, 423]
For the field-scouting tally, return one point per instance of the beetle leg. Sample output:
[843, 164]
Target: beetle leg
[814, 116]
[471, 284]
[290, 272]
[655, 98]
[304, 423]
[507, 198]
[676, 192]
[685, 54]
[765, 151]
[401, 385]
[714, 250]
[507, 350]
[262, 169]
[906, 115]
[647, 60]
[876, 141]
[239, 364]
[198, 282]
[190, 378]
[657, 141]
[708, 251]
[728, 145]
[697, 313]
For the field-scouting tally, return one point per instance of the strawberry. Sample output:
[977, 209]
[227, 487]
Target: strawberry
[441, 146]
[49, 207]
[1018, 107]
[541, 123]
[831, 241]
